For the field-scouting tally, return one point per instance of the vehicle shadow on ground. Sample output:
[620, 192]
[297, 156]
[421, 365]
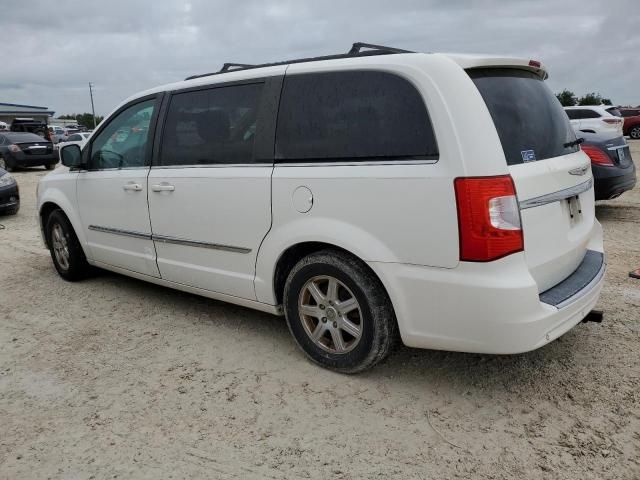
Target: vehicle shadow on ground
[618, 212]
[429, 368]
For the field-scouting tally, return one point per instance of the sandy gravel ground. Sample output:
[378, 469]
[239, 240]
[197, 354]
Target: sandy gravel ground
[116, 378]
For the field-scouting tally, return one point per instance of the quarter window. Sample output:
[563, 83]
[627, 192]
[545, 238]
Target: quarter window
[124, 141]
[214, 126]
[354, 115]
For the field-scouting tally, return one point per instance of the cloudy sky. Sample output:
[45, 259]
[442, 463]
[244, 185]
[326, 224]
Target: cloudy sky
[52, 49]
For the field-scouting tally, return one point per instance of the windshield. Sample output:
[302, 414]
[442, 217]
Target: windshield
[529, 119]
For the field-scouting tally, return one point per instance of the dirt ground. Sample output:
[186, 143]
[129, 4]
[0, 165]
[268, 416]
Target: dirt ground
[116, 378]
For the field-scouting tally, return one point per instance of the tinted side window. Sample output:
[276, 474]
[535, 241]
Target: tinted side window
[214, 126]
[123, 143]
[352, 115]
[573, 114]
[589, 114]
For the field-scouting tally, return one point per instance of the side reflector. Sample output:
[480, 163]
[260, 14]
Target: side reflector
[488, 218]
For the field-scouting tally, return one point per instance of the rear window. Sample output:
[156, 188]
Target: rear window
[352, 115]
[614, 111]
[531, 123]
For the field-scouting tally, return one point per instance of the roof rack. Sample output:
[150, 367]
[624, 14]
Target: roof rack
[358, 49]
[234, 66]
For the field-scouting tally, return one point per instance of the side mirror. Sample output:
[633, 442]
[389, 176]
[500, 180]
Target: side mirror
[71, 156]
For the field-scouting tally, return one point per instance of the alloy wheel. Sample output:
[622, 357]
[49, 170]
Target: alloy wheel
[60, 246]
[635, 133]
[330, 314]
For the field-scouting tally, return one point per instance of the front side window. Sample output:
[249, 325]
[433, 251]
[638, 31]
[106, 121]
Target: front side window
[352, 115]
[124, 141]
[213, 126]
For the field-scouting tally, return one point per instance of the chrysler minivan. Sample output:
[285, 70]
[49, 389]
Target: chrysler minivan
[369, 196]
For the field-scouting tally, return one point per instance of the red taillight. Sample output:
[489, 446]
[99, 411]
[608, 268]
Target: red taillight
[488, 218]
[612, 121]
[534, 63]
[597, 156]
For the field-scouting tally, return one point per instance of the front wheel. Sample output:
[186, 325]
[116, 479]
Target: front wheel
[635, 132]
[338, 312]
[66, 251]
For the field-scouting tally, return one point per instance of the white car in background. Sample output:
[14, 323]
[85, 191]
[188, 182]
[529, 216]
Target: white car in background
[595, 119]
[75, 139]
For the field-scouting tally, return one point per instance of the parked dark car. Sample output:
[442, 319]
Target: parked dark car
[613, 169]
[32, 126]
[631, 125]
[24, 149]
[9, 194]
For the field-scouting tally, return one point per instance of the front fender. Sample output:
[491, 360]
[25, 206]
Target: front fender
[60, 190]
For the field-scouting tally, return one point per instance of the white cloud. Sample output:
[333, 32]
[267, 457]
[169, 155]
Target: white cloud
[53, 49]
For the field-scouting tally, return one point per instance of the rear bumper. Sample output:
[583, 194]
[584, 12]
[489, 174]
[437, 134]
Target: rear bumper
[22, 160]
[611, 182]
[484, 308]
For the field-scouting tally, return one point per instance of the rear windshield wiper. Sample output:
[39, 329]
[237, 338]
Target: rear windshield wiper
[572, 143]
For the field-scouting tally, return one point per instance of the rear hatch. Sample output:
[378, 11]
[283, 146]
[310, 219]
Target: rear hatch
[552, 176]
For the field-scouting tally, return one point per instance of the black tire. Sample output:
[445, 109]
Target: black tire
[635, 133]
[379, 331]
[77, 268]
[50, 166]
[13, 211]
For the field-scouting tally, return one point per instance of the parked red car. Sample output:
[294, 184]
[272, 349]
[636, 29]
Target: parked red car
[631, 124]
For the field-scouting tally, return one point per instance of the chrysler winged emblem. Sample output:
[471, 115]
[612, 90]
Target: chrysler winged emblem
[579, 171]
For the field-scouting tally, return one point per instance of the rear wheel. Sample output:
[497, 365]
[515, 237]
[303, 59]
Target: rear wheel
[635, 132]
[338, 312]
[66, 251]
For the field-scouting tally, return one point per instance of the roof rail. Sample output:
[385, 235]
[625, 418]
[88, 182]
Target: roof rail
[234, 66]
[358, 49]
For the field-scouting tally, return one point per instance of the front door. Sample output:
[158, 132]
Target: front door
[210, 188]
[112, 192]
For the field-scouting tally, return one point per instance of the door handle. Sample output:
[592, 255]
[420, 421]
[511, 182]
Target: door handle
[163, 187]
[136, 187]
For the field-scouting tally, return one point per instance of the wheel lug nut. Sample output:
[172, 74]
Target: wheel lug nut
[335, 324]
[324, 319]
[322, 307]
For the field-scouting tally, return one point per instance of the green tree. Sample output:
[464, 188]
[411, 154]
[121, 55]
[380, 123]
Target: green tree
[566, 98]
[85, 119]
[590, 99]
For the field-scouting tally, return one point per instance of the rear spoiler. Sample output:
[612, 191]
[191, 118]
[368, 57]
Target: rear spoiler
[478, 61]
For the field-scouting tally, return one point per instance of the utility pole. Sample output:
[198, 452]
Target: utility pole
[93, 110]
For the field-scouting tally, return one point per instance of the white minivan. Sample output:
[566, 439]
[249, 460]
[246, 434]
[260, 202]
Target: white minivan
[369, 196]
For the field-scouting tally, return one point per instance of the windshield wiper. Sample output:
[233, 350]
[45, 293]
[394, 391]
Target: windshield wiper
[577, 141]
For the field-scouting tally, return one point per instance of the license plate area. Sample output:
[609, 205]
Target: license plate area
[575, 210]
